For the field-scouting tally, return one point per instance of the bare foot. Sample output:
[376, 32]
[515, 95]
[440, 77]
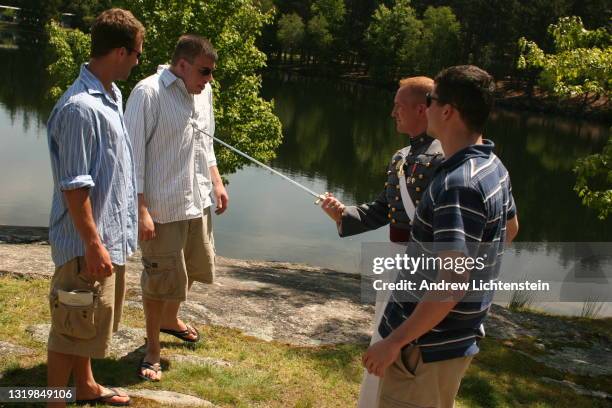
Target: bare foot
[150, 367]
[104, 395]
[181, 326]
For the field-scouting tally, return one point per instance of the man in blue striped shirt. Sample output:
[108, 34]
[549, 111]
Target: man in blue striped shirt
[467, 211]
[93, 222]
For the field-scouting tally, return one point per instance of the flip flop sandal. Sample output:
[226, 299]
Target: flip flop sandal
[183, 334]
[102, 399]
[145, 365]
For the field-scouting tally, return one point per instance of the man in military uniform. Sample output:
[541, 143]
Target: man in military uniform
[395, 205]
[415, 163]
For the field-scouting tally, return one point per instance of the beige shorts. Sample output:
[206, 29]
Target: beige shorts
[410, 383]
[181, 252]
[85, 330]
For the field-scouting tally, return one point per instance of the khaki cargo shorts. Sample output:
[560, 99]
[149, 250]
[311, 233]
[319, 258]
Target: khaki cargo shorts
[85, 330]
[181, 252]
[410, 383]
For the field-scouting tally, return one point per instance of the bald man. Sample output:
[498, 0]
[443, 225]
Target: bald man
[413, 166]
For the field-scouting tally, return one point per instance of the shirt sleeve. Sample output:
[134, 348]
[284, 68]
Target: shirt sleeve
[211, 159]
[140, 116]
[459, 217]
[511, 212]
[76, 147]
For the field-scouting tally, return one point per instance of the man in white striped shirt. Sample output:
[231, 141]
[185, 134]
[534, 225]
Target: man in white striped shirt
[176, 174]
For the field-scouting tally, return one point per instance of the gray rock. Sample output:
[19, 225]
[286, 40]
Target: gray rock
[587, 362]
[133, 304]
[540, 346]
[127, 340]
[578, 389]
[169, 398]
[181, 358]
[124, 341]
[7, 348]
[39, 332]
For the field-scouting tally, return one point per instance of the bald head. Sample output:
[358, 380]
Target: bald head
[409, 105]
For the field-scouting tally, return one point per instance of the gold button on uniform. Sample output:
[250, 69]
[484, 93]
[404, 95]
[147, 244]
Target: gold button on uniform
[416, 201]
[420, 176]
[393, 221]
[396, 198]
[389, 215]
[389, 205]
[393, 209]
[418, 189]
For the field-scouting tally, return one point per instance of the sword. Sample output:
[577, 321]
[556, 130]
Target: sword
[319, 197]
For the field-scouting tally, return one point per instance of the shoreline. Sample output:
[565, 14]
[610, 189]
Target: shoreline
[509, 94]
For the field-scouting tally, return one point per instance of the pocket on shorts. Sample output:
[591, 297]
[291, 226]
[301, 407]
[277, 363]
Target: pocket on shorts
[159, 275]
[73, 321]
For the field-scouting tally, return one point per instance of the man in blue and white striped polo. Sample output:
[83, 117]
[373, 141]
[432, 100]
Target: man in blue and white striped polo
[468, 209]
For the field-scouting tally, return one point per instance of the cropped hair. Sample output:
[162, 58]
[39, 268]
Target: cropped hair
[191, 46]
[470, 90]
[115, 28]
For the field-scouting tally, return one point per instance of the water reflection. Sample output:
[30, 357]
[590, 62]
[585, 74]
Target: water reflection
[343, 133]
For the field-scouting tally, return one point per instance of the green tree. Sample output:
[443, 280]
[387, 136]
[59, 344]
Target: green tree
[290, 32]
[319, 37]
[581, 64]
[325, 29]
[332, 10]
[580, 67]
[243, 118]
[594, 180]
[440, 40]
[392, 39]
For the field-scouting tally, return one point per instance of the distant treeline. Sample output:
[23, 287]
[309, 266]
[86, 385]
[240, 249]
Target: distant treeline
[390, 38]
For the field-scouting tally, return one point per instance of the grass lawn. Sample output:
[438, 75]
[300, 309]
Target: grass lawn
[271, 374]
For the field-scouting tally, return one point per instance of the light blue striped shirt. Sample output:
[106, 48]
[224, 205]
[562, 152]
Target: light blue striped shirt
[90, 148]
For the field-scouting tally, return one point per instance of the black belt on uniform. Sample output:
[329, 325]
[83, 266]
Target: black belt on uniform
[399, 234]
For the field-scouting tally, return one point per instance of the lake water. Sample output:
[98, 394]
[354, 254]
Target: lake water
[338, 137]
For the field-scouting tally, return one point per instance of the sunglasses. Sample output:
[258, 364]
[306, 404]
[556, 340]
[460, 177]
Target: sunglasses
[429, 97]
[131, 50]
[206, 71]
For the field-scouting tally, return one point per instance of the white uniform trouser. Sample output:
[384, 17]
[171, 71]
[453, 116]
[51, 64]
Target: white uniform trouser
[368, 395]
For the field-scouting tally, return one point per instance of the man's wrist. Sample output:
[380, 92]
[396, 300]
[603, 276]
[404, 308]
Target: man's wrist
[397, 339]
[93, 244]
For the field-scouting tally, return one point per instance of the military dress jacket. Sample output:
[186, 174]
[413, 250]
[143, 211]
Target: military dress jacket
[419, 161]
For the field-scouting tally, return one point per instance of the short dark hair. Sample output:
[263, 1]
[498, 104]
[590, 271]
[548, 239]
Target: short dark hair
[191, 46]
[470, 90]
[115, 28]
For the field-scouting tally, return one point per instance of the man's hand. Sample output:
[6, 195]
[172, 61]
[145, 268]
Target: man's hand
[221, 198]
[146, 227]
[333, 207]
[380, 355]
[98, 263]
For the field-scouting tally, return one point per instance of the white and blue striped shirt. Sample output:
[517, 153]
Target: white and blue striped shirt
[172, 159]
[90, 148]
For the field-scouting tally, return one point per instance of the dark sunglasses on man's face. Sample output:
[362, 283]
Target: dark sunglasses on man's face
[205, 71]
[429, 97]
[131, 50]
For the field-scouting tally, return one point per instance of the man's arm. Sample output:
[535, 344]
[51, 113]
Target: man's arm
[512, 228]
[221, 197]
[97, 259]
[141, 115]
[429, 312]
[352, 220]
[146, 226]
